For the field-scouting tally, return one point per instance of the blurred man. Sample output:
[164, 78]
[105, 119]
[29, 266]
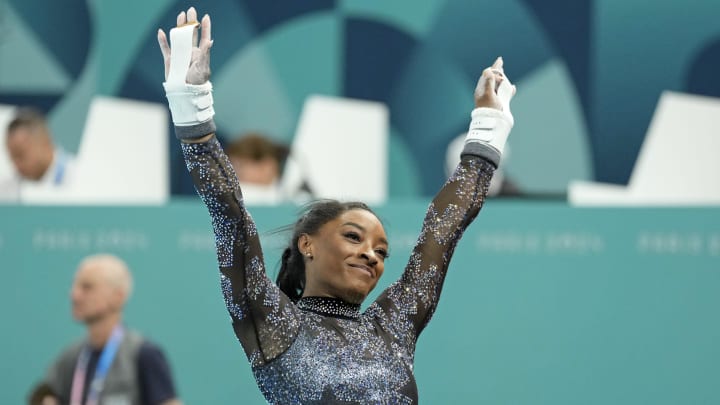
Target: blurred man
[112, 365]
[259, 163]
[256, 159]
[38, 162]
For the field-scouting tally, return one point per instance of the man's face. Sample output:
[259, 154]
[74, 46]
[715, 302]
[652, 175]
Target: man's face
[263, 171]
[93, 296]
[27, 152]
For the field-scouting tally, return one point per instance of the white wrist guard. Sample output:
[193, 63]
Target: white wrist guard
[489, 126]
[189, 104]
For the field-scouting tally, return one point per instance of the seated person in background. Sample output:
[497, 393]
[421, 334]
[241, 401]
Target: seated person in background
[112, 364]
[257, 159]
[258, 162]
[38, 162]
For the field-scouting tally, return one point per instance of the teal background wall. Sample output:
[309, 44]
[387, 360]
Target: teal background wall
[544, 304]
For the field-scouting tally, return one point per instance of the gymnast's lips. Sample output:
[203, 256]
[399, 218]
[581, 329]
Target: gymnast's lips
[369, 270]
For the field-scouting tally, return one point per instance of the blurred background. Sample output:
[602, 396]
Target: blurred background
[590, 73]
[546, 303]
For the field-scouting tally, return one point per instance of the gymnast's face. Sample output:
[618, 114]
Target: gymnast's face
[346, 257]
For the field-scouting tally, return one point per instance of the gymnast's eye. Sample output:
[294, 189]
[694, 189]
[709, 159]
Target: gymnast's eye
[352, 236]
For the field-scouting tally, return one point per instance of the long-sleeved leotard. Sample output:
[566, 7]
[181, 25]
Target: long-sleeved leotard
[322, 350]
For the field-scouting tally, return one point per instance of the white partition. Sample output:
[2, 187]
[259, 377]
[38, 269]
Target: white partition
[341, 150]
[8, 179]
[677, 164]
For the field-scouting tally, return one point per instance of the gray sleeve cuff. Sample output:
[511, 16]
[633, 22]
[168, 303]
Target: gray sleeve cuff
[482, 150]
[195, 131]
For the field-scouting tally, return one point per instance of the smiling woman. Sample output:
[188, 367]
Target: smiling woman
[305, 338]
[337, 250]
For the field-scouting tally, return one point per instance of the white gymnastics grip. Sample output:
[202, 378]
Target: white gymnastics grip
[189, 104]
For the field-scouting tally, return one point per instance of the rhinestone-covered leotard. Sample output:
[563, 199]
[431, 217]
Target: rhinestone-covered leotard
[323, 350]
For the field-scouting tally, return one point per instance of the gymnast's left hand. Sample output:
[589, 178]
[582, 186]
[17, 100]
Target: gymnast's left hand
[494, 89]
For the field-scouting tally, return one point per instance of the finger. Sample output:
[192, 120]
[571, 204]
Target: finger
[482, 81]
[490, 81]
[498, 75]
[206, 34]
[165, 49]
[164, 46]
[192, 18]
[195, 36]
[498, 64]
[191, 15]
[491, 84]
[181, 19]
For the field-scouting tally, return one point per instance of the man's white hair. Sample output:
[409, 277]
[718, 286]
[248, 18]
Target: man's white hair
[115, 271]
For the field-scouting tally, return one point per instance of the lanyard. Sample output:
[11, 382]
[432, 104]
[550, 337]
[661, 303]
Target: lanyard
[101, 370]
[60, 167]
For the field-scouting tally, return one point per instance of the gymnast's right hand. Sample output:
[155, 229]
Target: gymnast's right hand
[199, 68]
[187, 73]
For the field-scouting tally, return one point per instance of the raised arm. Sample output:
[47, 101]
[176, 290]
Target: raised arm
[411, 301]
[264, 319]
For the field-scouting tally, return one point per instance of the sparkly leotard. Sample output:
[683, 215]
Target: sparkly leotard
[322, 350]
